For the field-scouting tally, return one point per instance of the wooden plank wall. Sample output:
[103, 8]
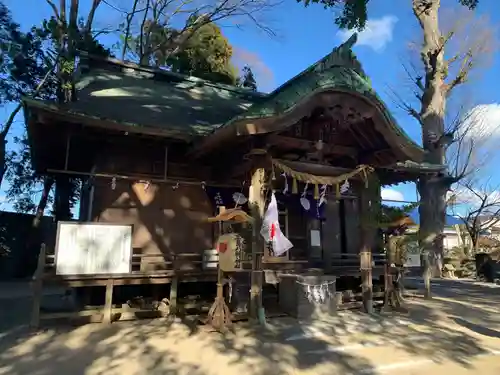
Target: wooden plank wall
[166, 221]
[352, 225]
[373, 192]
[331, 231]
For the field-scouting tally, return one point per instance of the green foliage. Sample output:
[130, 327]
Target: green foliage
[354, 13]
[66, 42]
[247, 79]
[24, 184]
[23, 61]
[207, 54]
[471, 4]
[4, 246]
[23, 68]
[390, 214]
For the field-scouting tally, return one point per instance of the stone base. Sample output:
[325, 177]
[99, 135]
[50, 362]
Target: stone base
[241, 294]
[295, 299]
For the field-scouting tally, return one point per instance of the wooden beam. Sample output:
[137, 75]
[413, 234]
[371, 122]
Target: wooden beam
[376, 157]
[366, 208]
[108, 302]
[48, 114]
[171, 181]
[165, 164]
[178, 170]
[256, 202]
[304, 144]
[38, 288]
[66, 156]
[173, 295]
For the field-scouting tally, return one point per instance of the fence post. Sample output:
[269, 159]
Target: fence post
[37, 286]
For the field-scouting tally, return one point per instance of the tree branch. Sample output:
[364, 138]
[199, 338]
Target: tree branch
[130, 16]
[400, 103]
[10, 120]
[54, 9]
[91, 15]
[462, 75]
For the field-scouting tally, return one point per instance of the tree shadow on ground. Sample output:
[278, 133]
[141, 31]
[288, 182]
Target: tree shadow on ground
[485, 331]
[160, 347]
[166, 346]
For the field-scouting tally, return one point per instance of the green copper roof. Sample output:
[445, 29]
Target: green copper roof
[338, 71]
[142, 97]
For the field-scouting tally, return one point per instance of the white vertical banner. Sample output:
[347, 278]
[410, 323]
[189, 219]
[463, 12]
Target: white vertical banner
[271, 230]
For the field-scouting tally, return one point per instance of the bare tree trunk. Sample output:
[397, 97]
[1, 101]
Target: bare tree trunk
[143, 43]
[42, 204]
[36, 236]
[3, 160]
[90, 17]
[432, 189]
[475, 244]
[432, 211]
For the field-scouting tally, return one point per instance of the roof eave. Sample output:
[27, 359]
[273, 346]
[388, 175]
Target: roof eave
[87, 120]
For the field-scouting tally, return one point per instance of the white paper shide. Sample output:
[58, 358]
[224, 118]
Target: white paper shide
[85, 249]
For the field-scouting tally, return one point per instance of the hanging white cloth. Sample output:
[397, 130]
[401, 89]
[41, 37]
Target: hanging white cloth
[271, 230]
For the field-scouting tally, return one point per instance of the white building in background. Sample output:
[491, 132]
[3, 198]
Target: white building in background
[452, 236]
[492, 225]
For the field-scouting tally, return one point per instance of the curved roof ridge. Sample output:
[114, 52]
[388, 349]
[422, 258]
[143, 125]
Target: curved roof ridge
[341, 59]
[341, 55]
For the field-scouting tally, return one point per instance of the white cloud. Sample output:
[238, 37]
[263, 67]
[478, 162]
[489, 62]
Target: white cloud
[464, 200]
[376, 35]
[482, 122]
[392, 195]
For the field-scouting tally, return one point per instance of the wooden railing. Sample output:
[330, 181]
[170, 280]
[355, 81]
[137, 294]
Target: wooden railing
[353, 260]
[189, 262]
[155, 264]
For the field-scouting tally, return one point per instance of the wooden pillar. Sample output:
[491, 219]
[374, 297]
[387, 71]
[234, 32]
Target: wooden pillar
[173, 295]
[62, 198]
[367, 227]
[108, 302]
[256, 201]
[315, 249]
[332, 244]
[38, 288]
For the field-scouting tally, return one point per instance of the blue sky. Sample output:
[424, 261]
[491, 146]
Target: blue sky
[305, 35]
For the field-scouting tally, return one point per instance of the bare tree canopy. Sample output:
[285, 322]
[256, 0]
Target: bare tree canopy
[470, 42]
[478, 205]
[443, 71]
[156, 30]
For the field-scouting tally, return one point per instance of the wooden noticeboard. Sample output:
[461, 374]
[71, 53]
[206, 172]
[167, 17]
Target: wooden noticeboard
[93, 248]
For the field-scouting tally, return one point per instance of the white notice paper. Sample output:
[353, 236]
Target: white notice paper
[93, 248]
[315, 238]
